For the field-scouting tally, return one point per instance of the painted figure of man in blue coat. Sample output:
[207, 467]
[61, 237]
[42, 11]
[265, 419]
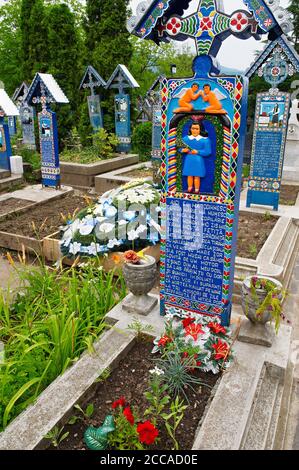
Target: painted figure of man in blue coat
[198, 146]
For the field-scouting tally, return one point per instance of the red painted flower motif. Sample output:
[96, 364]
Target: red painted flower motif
[119, 403]
[128, 415]
[148, 433]
[216, 328]
[206, 24]
[221, 350]
[172, 299]
[187, 321]
[164, 340]
[194, 331]
[187, 303]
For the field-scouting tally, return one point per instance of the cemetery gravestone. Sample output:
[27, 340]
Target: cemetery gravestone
[26, 116]
[44, 90]
[203, 131]
[278, 61]
[121, 79]
[7, 108]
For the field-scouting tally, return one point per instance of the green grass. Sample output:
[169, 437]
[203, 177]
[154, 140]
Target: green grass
[55, 316]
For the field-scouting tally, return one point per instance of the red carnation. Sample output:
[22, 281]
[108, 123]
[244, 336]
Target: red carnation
[119, 403]
[221, 350]
[187, 321]
[164, 340]
[128, 415]
[216, 328]
[147, 433]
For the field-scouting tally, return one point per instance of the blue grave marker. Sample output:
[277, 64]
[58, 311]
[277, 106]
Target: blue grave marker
[120, 80]
[27, 116]
[203, 134]
[276, 62]
[271, 121]
[12, 125]
[92, 80]
[7, 109]
[45, 90]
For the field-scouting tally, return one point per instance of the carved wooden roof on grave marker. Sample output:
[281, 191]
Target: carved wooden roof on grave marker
[92, 74]
[121, 77]
[287, 48]
[7, 106]
[20, 93]
[53, 91]
[161, 20]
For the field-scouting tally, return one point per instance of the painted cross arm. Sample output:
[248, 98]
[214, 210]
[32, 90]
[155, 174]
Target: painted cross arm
[209, 26]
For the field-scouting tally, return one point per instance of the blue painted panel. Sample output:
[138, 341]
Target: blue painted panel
[271, 119]
[5, 146]
[95, 112]
[27, 121]
[194, 250]
[12, 125]
[49, 148]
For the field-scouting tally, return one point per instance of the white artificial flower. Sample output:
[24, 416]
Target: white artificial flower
[66, 242]
[98, 210]
[122, 222]
[86, 229]
[92, 249]
[132, 235]
[110, 211]
[112, 243]
[129, 215]
[106, 228]
[75, 248]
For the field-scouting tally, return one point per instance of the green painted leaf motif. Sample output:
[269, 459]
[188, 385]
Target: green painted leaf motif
[97, 438]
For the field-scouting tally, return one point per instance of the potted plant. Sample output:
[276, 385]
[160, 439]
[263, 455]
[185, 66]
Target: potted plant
[140, 273]
[262, 299]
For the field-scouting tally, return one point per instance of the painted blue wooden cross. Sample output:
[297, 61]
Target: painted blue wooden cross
[93, 80]
[44, 90]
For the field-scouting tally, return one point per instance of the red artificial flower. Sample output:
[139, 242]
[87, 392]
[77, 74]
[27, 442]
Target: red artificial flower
[185, 355]
[148, 433]
[187, 321]
[221, 350]
[119, 403]
[198, 363]
[164, 340]
[216, 328]
[194, 331]
[128, 415]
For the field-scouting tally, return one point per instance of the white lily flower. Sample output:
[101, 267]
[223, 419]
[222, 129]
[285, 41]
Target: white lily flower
[112, 243]
[86, 229]
[92, 249]
[106, 228]
[75, 248]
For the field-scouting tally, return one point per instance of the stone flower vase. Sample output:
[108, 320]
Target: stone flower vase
[140, 279]
[251, 303]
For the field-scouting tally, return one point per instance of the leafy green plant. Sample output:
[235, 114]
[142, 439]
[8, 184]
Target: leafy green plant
[139, 329]
[142, 140]
[173, 419]
[104, 375]
[246, 170]
[104, 143]
[85, 414]
[157, 396]
[253, 250]
[177, 373]
[267, 216]
[272, 302]
[46, 325]
[56, 436]
[125, 437]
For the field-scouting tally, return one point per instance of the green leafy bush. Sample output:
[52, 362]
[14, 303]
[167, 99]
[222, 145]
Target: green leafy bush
[32, 157]
[142, 140]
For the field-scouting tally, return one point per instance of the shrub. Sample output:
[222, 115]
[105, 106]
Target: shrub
[142, 140]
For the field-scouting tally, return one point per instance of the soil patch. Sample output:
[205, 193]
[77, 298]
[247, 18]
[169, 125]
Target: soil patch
[44, 219]
[13, 204]
[130, 380]
[288, 195]
[141, 173]
[254, 230]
